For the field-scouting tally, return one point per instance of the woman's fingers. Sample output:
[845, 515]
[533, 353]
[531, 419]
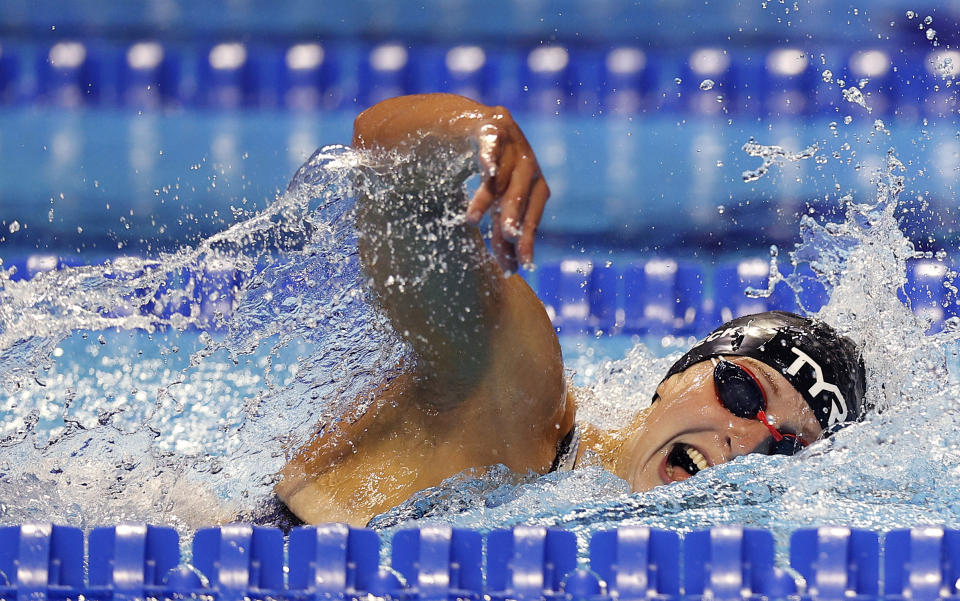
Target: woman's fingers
[513, 184]
[482, 200]
[489, 142]
[531, 219]
[514, 201]
[491, 147]
[503, 249]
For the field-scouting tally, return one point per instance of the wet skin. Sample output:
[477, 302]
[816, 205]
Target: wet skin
[689, 413]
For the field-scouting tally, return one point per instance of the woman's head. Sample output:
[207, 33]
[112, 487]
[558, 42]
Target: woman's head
[767, 383]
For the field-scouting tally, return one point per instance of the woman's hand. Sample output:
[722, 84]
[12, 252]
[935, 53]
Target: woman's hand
[512, 185]
[513, 188]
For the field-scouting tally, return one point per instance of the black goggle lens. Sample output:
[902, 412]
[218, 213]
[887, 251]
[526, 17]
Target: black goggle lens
[741, 395]
[737, 390]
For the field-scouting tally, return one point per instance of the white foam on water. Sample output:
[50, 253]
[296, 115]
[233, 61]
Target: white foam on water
[114, 410]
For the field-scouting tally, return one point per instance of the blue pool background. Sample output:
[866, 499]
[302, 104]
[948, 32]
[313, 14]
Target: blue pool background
[136, 128]
[142, 128]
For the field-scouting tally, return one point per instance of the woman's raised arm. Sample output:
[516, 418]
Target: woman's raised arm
[512, 183]
[419, 242]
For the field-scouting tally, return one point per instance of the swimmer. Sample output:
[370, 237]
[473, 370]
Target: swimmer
[486, 383]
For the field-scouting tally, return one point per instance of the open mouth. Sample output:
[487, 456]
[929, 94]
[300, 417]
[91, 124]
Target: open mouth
[684, 461]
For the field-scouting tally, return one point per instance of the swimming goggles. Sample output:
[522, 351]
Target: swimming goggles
[740, 393]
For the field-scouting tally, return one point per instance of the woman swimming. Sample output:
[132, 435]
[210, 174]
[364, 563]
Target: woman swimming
[486, 384]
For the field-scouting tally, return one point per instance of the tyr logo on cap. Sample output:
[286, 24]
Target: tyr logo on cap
[838, 405]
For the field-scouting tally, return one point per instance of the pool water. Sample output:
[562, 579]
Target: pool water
[186, 418]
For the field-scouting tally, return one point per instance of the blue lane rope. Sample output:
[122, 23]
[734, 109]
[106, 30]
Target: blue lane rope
[239, 562]
[674, 297]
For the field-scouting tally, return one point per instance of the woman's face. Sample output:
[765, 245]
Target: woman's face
[688, 429]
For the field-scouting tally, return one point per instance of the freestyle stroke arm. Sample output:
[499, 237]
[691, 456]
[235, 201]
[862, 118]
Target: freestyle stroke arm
[486, 381]
[419, 242]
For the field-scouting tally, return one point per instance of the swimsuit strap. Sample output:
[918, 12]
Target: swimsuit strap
[569, 445]
[567, 450]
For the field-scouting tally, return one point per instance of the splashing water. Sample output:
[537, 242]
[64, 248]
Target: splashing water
[897, 469]
[159, 422]
[853, 95]
[185, 416]
[773, 155]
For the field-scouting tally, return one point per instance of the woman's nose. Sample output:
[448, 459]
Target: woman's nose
[745, 436]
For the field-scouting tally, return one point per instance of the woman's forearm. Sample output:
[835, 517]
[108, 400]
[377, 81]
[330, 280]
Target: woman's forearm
[396, 123]
[513, 188]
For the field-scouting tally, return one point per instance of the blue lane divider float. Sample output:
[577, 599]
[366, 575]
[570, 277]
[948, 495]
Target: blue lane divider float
[335, 561]
[637, 562]
[240, 560]
[837, 563]
[732, 563]
[440, 562]
[658, 296]
[922, 564]
[131, 561]
[529, 562]
[41, 561]
[230, 74]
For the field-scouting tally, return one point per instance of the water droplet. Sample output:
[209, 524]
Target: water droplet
[101, 339]
[721, 209]
[911, 14]
[677, 80]
[706, 84]
[848, 119]
[14, 227]
[945, 66]
[855, 96]
[931, 33]
[927, 20]
[827, 75]
[719, 163]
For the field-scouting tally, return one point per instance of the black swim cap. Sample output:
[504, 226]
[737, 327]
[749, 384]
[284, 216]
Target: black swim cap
[824, 366]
